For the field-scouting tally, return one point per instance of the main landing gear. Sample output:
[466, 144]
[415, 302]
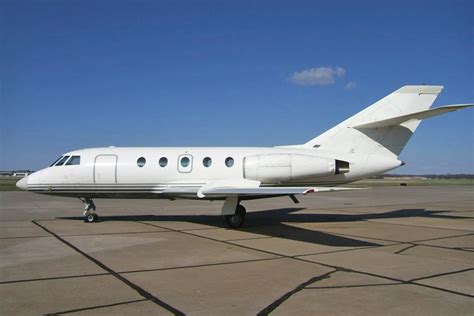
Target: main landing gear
[237, 219]
[90, 216]
[233, 212]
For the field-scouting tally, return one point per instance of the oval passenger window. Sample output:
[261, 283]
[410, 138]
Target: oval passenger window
[185, 162]
[141, 162]
[229, 162]
[207, 162]
[163, 162]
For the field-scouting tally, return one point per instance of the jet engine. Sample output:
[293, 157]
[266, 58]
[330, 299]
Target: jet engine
[290, 167]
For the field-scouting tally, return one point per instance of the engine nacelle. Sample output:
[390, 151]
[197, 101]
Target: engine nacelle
[287, 167]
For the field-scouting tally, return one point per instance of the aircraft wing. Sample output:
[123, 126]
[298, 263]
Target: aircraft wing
[245, 188]
[271, 191]
[413, 116]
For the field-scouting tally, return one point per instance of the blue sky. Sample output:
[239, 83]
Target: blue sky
[78, 74]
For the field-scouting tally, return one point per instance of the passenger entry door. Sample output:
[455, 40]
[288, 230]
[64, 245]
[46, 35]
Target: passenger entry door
[105, 169]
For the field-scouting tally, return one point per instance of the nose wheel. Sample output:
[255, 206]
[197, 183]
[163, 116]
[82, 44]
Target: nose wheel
[90, 216]
[236, 220]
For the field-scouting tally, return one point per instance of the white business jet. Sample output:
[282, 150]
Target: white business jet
[365, 144]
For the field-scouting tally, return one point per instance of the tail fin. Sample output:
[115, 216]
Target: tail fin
[361, 133]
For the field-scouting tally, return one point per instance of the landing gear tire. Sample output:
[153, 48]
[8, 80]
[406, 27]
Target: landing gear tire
[91, 218]
[236, 220]
[89, 211]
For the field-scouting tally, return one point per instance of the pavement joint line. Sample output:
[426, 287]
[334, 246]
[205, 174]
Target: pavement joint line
[196, 229]
[440, 238]
[250, 238]
[441, 289]
[17, 227]
[12, 220]
[96, 307]
[385, 205]
[410, 242]
[19, 237]
[190, 229]
[350, 286]
[274, 305]
[343, 250]
[391, 242]
[200, 265]
[443, 247]
[409, 282]
[327, 265]
[220, 241]
[118, 233]
[374, 220]
[56, 278]
[441, 274]
[418, 226]
[80, 235]
[452, 211]
[374, 238]
[182, 230]
[138, 271]
[404, 249]
[460, 201]
[24, 220]
[142, 292]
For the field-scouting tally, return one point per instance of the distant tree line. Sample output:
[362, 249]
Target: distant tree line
[428, 176]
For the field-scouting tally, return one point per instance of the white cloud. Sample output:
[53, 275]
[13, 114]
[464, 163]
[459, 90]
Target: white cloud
[317, 76]
[351, 85]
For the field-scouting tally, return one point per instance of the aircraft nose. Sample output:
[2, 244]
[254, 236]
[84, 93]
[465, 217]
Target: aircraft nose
[22, 184]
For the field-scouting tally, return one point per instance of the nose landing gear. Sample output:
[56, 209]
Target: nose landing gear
[90, 216]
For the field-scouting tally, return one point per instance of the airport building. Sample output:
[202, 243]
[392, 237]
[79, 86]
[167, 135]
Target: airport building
[15, 173]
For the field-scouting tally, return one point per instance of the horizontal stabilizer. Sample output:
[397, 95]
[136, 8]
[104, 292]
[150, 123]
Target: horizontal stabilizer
[397, 120]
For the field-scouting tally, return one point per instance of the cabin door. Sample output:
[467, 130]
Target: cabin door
[105, 169]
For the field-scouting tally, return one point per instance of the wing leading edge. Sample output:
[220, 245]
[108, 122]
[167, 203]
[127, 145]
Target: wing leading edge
[250, 191]
[272, 191]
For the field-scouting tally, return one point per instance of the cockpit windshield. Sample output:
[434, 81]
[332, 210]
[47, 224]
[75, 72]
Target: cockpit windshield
[75, 160]
[62, 161]
[65, 161]
[55, 161]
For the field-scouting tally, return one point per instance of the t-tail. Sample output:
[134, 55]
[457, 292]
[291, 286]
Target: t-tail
[384, 128]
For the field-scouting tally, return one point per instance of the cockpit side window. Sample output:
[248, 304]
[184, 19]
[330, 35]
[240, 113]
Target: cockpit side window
[75, 160]
[55, 161]
[62, 161]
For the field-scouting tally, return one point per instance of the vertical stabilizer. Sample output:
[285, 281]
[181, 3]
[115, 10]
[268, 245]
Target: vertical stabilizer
[384, 141]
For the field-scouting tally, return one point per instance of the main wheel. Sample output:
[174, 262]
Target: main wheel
[240, 210]
[236, 220]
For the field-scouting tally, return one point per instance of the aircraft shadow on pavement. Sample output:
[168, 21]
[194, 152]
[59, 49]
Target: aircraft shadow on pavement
[272, 223]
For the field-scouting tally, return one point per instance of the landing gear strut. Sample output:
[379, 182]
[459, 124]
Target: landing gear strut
[233, 212]
[90, 216]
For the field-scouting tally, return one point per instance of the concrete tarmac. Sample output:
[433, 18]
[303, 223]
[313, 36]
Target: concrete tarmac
[388, 250]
